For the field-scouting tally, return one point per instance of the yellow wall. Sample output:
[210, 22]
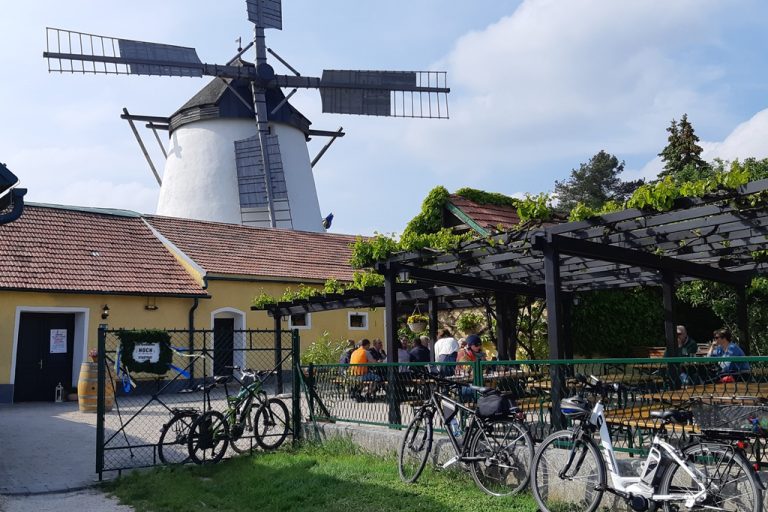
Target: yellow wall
[171, 313]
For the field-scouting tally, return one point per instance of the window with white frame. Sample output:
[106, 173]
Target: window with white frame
[357, 321]
[300, 321]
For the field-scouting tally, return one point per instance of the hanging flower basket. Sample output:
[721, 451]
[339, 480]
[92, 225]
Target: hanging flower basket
[417, 322]
[417, 326]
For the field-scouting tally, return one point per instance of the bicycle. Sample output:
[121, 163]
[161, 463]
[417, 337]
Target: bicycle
[172, 448]
[497, 447]
[212, 431]
[705, 475]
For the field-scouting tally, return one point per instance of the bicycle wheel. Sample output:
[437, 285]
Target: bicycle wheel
[575, 490]
[730, 481]
[507, 450]
[415, 448]
[241, 431]
[271, 424]
[208, 438]
[172, 447]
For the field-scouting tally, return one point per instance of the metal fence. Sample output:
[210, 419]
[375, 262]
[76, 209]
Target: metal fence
[129, 425]
[638, 386]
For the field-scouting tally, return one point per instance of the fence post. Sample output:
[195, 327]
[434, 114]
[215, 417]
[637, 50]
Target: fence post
[295, 384]
[477, 372]
[278, 352]
[101, 385]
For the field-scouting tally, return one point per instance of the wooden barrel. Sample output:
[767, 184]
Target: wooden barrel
[87, 389]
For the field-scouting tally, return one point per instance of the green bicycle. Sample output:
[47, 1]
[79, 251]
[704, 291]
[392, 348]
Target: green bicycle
[250, 416]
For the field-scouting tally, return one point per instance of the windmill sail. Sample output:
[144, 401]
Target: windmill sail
[252, 183]
[385, 93]
[270, 11]
[78, 52]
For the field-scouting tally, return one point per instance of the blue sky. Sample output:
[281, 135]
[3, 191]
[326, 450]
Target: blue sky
[538, 87]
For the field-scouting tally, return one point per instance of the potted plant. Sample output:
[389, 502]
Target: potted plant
[417, 322]
[469, 323]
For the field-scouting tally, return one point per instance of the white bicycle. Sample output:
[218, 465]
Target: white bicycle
[568, 472]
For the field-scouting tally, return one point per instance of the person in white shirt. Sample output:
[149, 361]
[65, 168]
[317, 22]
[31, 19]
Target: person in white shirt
[446, 349]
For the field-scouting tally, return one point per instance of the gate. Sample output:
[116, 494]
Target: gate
[129, 425]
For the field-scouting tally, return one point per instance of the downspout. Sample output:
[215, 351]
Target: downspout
[191, 341]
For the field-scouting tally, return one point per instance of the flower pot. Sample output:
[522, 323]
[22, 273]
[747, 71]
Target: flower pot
[418, 326]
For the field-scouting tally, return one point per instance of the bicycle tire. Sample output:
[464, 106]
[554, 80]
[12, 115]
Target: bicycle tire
[208, 438]
[550, 458]
[507, 448]
[415, 448]
[242, 436]
[271, 424]
[172, 448]
[741, 479]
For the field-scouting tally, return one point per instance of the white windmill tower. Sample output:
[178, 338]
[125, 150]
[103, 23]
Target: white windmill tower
[220, 164]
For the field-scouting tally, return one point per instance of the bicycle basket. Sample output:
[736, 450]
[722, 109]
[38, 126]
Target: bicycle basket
[495, 405]
[732, 419]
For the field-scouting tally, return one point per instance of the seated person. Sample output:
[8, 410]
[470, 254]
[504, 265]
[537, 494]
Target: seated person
[347, 354]
[686, 346]
[446, 350]
[359, 357]
[377, 351]
[473, 351]
[403, 356]
[419, 353]
[722, 346]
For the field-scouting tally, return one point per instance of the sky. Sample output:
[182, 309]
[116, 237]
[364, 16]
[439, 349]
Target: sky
[537, 88]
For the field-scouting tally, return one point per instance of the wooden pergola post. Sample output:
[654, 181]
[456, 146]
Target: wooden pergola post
[554, 330]
[390, 335]
[742, 312]
[432, 325]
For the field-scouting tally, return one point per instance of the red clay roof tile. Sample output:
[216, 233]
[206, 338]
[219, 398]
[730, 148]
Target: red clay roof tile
[76, 250]
[488, 216]
[261, 252]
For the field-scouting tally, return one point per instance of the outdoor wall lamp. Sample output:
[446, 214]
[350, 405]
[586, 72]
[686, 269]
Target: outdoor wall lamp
[403, 275]
[105, 312]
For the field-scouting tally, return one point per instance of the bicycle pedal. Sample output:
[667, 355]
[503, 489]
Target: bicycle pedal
[450, 462]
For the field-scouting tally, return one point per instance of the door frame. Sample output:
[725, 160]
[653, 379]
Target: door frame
[238, 357]
[80, 336]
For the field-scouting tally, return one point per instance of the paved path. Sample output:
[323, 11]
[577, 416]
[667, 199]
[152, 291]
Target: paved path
[46, 447]
[81, 501]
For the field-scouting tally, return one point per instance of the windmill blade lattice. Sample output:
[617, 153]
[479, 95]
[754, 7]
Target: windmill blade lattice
[265, 13]
[77, 52]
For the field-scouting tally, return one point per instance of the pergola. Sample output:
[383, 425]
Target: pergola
[711, 238]
[714, 238]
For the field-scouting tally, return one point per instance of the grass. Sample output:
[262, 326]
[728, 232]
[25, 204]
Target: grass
[334, 477]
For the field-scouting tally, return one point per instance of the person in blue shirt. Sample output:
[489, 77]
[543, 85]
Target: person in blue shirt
[722, 346]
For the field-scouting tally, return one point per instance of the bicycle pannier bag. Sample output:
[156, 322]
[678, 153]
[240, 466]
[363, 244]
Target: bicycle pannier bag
[495, 405]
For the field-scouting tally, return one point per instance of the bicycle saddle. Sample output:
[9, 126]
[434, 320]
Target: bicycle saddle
[482, 390]
[221, 379]
[673, 416]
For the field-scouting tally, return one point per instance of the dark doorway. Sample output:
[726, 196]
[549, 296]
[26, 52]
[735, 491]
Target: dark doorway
[223, 345]
[44, 356]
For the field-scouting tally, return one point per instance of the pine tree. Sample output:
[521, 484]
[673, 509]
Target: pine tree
[682, 154]
[594, 183]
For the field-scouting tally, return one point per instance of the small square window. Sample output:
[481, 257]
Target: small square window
[358, 321]
[300, 321]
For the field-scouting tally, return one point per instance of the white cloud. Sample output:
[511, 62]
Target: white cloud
[566, 79]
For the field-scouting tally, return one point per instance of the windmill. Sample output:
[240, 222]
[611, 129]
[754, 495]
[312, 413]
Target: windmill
[271, 182]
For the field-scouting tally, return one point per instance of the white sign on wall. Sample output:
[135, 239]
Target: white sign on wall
[146, 352]
[58, 341]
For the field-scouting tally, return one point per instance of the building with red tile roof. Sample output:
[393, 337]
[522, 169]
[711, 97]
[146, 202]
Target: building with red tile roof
[67, 270]
[463, 214]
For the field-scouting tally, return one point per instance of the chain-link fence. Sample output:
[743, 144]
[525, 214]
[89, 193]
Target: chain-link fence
[134, 406]
[386, 394]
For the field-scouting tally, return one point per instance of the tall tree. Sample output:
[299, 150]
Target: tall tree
[594, 183]
[682, 154]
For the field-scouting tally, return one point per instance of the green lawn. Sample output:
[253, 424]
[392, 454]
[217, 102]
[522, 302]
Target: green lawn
[334, 477]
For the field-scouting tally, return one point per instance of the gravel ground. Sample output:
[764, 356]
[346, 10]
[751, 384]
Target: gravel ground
[80, 501]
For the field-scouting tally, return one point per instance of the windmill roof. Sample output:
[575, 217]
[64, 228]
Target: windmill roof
[62, 249]
[217, 100]
[259, 252]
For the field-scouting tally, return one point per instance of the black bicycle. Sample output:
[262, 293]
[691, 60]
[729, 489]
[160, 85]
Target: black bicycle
[496, 444]
[250, 414]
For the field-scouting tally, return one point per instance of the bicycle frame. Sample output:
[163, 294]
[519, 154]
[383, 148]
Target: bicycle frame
[639, 485]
